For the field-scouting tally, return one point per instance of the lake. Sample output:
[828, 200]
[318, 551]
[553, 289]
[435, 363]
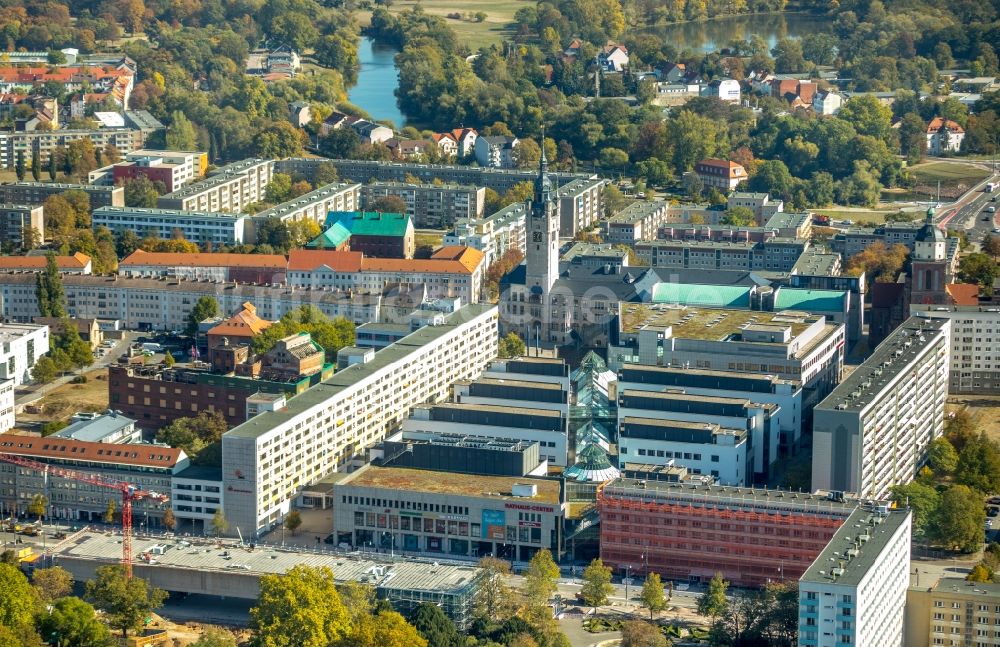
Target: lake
[377, 82]
[378, 78]
[715, 34]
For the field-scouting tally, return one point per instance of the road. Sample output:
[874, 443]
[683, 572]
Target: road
[967, 213]
[28, 394]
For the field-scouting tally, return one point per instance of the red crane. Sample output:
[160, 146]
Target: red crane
[129, 494]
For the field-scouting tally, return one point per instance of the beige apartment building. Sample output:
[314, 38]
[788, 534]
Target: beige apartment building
[952, 612]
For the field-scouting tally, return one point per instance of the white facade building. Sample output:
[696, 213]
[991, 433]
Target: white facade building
[230, 188]
[6, 405]
[268, 460]
[874, 429]
[975, 345]
[723, 89]
[198, 227]
[315, 205]
[20, 347]
[827, 102]
[854, 593]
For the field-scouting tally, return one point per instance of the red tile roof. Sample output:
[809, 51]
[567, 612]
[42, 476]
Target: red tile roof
[963, 294]
[305, 260]
[79, 450]
[452, 260]
[244, 323]
[170, 259]
[77, 261]
[938, 122]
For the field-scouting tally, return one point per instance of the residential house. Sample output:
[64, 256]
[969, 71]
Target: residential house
[792, 89]
[283, 60]
[723, 89]
[88, 329]
[445, 143]
[760, 81]
[827, 102]
[369, 132]
[944, 136]
[613, 57]
[674, 72]
[573, 49]
[408, 148]
[721, 174]
[300, 114]
[496, 151]
[466, 140]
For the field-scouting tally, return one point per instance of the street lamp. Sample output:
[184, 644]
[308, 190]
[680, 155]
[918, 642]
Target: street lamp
[628, 578]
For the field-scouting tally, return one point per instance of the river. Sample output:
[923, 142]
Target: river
[378, 78]
[377, 83]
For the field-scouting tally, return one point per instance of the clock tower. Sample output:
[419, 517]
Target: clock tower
[542, 233]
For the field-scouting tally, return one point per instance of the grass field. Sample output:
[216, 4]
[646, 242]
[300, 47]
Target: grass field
[947, 172]
[67, 399]
[984, 408]
[496, 27]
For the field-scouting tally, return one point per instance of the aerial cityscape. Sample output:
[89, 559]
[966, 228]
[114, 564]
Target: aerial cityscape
[560, 323]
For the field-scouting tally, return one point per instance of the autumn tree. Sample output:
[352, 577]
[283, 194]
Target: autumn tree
[180, 134]
[388, 204]
[496, 599]
[52, 583]
[652, 596]
[75, 624]
[126, 602]
[199, 436]
[596, 584]
[540, 578]
[293, 521]
[511, 346]
[881, 263]
[219, 523]
[300, 609]
[712, 602]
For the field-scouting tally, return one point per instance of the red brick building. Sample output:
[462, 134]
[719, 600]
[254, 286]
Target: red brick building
[689, 532]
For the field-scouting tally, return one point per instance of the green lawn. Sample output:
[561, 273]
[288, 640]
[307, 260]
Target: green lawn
[493, 30]
[947, 172]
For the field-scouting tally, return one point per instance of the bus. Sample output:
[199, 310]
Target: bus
[991, 187]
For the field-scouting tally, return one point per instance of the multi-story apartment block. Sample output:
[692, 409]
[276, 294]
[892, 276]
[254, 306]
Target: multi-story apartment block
[581, 205]
[198, 227]
[775, 254]
[6, 405]
[230, 188]
[17, 221]
[173, 168]
[786, 395]
[493, 235]
[638, 221]
[790, 224]
[315, 205]
[430, 205]
[36, 193]
[195, 495]
[449, 513]
[952, 611]
[500, 180]
[873, 430]
[148, 467]
[805, 348]
[164, 304]
[854, 593]
[761, 204]
[44, 142]
[20, 347]
[269, 459]
[689, 531]
[975, 345]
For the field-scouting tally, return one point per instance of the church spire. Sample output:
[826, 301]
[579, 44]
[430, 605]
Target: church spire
[543, 184]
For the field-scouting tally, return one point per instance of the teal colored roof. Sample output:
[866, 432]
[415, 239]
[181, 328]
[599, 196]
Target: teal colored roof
[714, 296]
[335, 236]
[370, 223]
[809, 300]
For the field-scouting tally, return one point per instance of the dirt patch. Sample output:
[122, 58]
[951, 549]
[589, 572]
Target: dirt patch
[984, 408]
[67, 399]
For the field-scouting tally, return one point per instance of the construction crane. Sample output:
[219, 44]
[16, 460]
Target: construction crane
[129, 494]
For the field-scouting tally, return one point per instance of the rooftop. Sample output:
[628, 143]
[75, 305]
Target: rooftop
[220, 176]
[205, 556]
[77, 261]
[168, 259]
[814, 262]
[10, 332]
[169, 213]
[453, 483]
[87, 452]
[785, 219]
[351, 375]
[855, 547]
[305, 200]
[701, 495]
[713, 296]
[371, 223]
[60, 187]
[705, 323]
[95, 429]
[699, 378]
[810, 300]
[961, 586]
[636, 212]
[889, 359]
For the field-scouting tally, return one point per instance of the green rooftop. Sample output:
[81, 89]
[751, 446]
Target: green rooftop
[809, 300]
[370, 223]
[712, 296]
[335, 236]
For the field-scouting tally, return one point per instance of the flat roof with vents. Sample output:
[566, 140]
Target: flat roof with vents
[855, 547]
